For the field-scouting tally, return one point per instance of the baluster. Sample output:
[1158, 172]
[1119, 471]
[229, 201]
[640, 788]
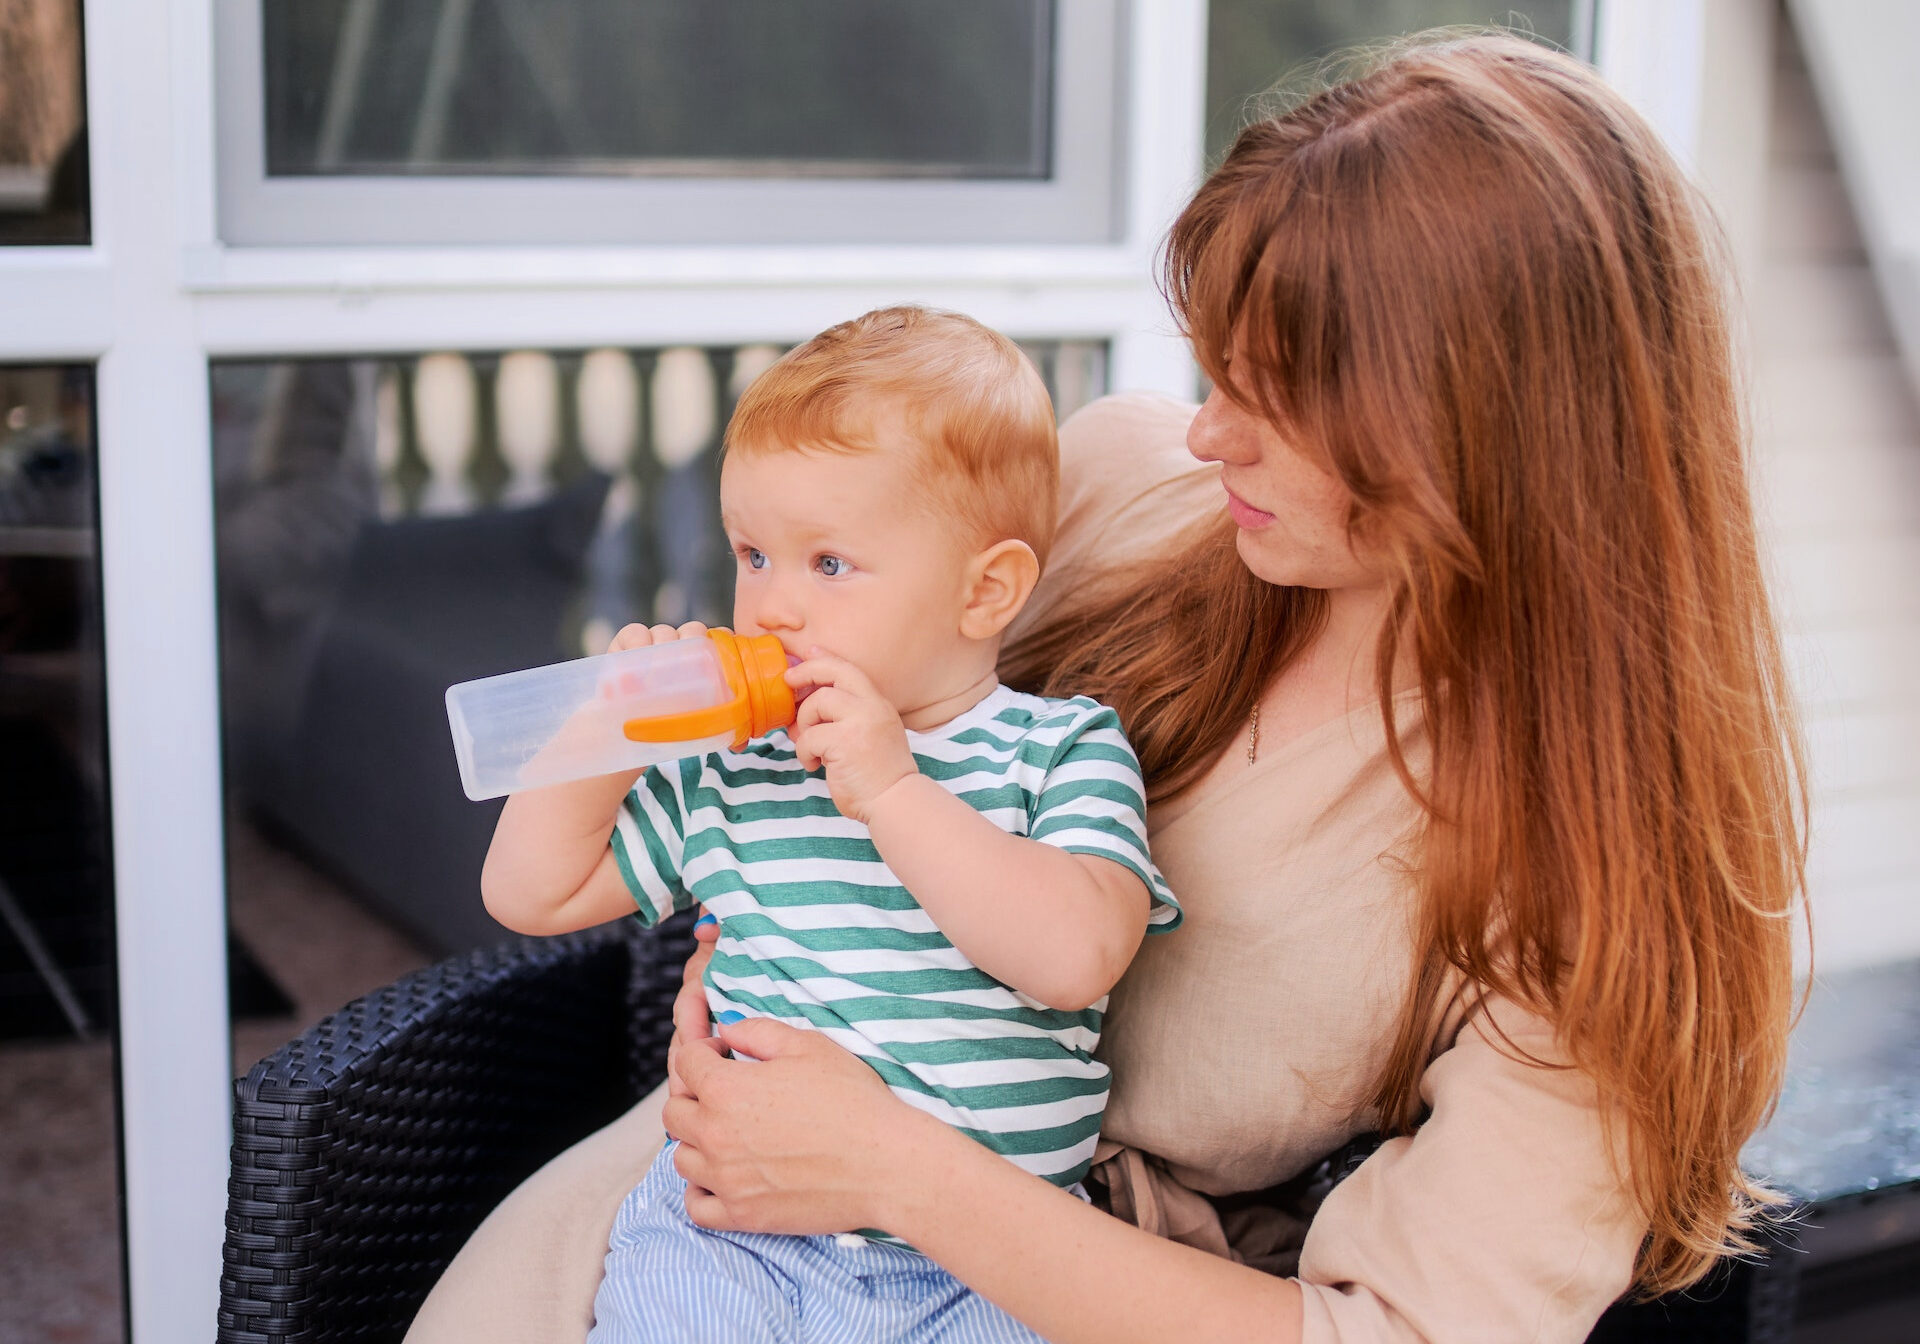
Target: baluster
[608, 413]
[527, 396]
[749, 362]
[684, 406]
[446, 406]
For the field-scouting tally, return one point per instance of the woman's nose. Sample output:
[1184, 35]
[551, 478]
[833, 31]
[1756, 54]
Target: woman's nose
[1215, 435]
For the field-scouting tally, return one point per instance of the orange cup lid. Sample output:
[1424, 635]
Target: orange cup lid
[755, 667]
[762, 665]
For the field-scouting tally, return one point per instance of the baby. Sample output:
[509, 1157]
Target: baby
[943, 875]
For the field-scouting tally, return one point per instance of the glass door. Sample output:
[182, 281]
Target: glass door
[61, 1269]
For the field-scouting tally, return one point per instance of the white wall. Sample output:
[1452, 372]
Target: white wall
[1836, 426]
[1837, 471]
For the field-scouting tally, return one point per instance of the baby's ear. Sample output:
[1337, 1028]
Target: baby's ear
[1000, 579]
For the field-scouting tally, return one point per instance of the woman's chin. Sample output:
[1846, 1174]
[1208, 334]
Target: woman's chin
[1282, 570]
[1270, 557]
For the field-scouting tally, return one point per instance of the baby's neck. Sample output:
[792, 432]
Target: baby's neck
[949, 707]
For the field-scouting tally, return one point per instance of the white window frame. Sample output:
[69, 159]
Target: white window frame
[156, 296]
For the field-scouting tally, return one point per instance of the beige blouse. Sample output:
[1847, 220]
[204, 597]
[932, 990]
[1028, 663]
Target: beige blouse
[1243, 1043]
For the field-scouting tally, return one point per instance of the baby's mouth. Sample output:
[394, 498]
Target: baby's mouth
[802, 692]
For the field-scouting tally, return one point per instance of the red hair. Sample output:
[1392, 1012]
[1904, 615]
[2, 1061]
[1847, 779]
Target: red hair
[976, 409]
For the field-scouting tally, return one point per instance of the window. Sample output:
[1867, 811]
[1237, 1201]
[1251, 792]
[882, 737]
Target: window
[59, 1019]
[43, 125]
[388, 527]
[725, 122]
[1252, 44]
[718, 89]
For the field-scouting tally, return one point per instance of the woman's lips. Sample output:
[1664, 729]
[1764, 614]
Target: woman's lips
[1244, 514]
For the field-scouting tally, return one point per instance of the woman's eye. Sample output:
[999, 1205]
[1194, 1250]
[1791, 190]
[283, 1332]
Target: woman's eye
[832, 566]
[755, 559]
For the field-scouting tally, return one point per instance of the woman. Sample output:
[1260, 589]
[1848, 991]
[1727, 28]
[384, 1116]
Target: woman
[1471, 756]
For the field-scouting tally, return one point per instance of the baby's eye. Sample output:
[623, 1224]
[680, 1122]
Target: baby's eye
[755, 559]
[832, 566]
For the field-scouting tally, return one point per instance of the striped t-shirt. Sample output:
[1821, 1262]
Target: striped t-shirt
[817, 931]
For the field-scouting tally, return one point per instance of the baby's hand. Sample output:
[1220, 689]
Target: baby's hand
[847, 726]
[638, 636]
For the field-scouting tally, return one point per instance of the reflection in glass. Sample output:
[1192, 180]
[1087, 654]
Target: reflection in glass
[389, 527]
[43, 124]
[741, 87]
[1253, 44]
[60, 1261]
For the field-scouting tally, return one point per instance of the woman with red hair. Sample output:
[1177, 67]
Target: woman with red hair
[1445, 645]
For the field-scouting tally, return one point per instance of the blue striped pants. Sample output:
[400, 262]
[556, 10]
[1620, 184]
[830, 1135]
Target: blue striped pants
[670, 1280]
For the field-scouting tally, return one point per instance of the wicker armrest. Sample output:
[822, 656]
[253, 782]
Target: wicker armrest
[366, 1151]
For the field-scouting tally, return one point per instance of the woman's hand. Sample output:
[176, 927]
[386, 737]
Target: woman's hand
[692, 1022]
[803, 1138]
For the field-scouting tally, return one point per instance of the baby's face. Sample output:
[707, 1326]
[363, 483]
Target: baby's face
[843, 552]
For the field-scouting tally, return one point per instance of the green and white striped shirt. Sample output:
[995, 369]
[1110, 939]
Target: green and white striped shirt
[817, 931]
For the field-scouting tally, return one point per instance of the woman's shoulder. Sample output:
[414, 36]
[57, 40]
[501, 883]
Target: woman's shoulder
[1128, 490]
[1143, 431]
[1124, 460]
[1124, 412]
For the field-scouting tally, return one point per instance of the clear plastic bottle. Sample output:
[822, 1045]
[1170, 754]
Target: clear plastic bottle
[619, 711]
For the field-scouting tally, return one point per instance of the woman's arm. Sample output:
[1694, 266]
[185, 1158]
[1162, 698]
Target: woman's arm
[1062, 1266]
[1503, 1218]
[807, 1139]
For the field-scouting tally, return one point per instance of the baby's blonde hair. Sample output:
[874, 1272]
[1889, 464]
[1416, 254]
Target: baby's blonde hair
[981, 422]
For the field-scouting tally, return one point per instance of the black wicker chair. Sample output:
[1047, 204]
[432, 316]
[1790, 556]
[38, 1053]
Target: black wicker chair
[367, 1150]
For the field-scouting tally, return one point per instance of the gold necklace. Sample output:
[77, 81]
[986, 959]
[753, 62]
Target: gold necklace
[1253, 733]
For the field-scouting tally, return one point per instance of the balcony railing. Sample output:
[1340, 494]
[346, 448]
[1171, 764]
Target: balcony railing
[307, 451]
[454, 433]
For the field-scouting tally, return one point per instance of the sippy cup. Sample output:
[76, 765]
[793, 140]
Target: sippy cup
[619, 711]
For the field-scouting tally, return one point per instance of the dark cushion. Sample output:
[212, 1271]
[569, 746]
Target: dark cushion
[365, 783]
